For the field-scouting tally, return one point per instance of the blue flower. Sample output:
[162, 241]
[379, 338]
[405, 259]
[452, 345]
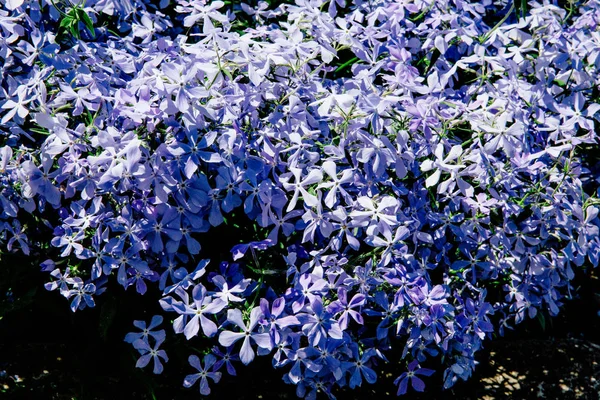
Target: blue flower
[197, 313]
[318, 324]
[158, 336]
[360, 367]
[149, 353]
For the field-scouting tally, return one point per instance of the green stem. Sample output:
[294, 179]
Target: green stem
[487, 35]
[346, 64]
[58, 9]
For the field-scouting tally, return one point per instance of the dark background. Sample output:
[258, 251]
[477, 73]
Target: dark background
[48, 352]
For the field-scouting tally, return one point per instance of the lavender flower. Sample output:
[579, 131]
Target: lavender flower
[227, 338]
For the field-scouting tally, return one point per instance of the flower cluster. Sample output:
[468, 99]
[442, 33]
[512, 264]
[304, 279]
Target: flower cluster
[412, 175]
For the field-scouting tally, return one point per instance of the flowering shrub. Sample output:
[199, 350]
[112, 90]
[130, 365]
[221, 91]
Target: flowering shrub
[318, 182]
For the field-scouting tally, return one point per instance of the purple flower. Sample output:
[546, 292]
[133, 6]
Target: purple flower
[446, 164]
[281, 222]
[330, 168]
[387, 311]
[138, 279]
[423, 293]
[168, 224]
[474, 317]
[16, 106]
[40, 181]
[185, 279]
[402, 186]
[347, 308]
[206, 13]
[238, 251]
[378, 216]
[309, 288]
[18, 236]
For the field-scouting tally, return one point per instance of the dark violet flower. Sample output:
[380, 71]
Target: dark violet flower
[164, 221]
[435, 321]
[387, 311]
[18, 236]
[475, 318]
[184, 279]
[226, 358]
[204, 373]
[129, 258]
[138, 279]
[281, 222]
[411, 375]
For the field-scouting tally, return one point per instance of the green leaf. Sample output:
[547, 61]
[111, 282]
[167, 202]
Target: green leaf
[87, 21]
[40, 131]
[227, 73]
[434, 57]
[520, 8]
[107, 316]
[66, 22]
[74, 31]
[560, 83]
[542, 319]
[347, 64]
